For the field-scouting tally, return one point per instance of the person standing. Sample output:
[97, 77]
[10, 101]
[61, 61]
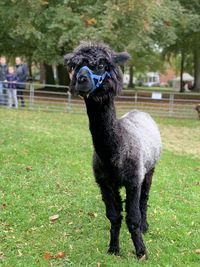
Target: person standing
[11, 87]
[22, 75]
[3, 73]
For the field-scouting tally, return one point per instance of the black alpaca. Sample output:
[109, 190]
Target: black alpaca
[125, 149]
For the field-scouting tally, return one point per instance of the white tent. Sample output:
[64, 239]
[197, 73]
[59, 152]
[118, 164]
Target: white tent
[186, 78]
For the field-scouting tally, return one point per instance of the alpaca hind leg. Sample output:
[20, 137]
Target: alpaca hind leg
[133, 220]
[144, 199]
[113, 203]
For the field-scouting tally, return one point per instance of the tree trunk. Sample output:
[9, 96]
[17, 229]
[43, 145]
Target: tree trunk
[49, 75]
[63, 76]
[196, 68]
[30, 66]
[182, 70]
[42, 73]
[130, 83]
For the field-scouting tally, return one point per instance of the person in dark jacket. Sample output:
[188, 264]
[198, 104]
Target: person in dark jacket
[11, 87]
[22, 75]
[3, 73]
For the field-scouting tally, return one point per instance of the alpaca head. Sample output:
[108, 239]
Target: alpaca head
[94, 70]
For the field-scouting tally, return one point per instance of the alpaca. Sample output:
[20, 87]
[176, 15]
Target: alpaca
[125, 150]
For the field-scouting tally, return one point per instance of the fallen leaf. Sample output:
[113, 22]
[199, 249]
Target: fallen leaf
[29, 168]
[53, 218]
[91, 22]
[60, 254]
[98, 264]
[19, 253]
[4, 206]
[197, 251]
[1, 256]
[47, 255]
[92, 214]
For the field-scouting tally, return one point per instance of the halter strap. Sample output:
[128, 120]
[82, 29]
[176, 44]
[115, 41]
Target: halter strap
[96, 79]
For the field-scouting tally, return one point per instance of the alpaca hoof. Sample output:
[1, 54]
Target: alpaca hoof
[113, 251]
[142, 258]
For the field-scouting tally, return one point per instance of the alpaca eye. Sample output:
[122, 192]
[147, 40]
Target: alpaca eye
[101, 66]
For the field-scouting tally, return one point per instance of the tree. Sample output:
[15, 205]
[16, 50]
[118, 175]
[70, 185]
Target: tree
[183, 24]
[62, 26]
[44, 30]
[129, 25]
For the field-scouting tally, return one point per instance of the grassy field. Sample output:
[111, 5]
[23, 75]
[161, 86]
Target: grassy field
[45, 170]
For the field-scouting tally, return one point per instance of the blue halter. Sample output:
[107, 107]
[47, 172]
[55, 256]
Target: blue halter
[96, 79]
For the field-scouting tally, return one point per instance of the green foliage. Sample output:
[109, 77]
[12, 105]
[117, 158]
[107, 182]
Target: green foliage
[186, 29]
[20, 35]
[45, 29]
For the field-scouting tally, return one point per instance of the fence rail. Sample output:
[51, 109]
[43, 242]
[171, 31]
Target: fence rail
[166, 104]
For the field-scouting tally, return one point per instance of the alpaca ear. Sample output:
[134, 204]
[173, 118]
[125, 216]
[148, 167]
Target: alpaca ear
[121, 58]
[68, 60]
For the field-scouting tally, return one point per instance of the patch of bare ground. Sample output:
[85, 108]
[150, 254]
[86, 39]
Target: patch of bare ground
[181, 140]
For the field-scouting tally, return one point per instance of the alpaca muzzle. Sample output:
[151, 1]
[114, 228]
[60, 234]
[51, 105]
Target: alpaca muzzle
[85, 75]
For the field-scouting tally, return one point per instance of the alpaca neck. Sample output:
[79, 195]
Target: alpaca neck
[103, 126]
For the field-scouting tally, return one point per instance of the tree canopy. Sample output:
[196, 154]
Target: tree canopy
[44, 30]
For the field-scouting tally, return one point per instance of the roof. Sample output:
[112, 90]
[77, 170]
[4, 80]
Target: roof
[186, 77]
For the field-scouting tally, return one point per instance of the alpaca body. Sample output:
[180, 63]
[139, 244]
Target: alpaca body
[121, 143]
[144, 140]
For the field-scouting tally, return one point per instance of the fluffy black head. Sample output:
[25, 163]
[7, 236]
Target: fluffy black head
[99, 58]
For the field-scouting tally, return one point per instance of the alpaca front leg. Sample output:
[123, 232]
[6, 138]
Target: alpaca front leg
[133, 220]
[113, 203]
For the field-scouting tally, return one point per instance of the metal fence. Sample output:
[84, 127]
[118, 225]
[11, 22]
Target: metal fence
[160, 103]
[165, 104]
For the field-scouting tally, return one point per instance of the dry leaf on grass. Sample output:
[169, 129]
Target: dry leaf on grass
[92, 214]
[29, 168]
[53, 218]
[1, 256]
[19, 253]
[4, 206]
[60, 254]
[47, 256]
[197, 251]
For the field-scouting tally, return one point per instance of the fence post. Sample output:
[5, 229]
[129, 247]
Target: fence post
[171, 104]
[31, 96]
[69, 102]
[136, 96]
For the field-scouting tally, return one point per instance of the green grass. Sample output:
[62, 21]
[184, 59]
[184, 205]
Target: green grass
[153, 88]
[45, 169]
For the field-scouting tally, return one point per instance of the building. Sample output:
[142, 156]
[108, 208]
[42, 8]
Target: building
[168, 76]
[152, 79]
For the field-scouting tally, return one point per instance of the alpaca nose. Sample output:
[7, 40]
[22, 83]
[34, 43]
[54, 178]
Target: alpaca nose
[82, 79]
